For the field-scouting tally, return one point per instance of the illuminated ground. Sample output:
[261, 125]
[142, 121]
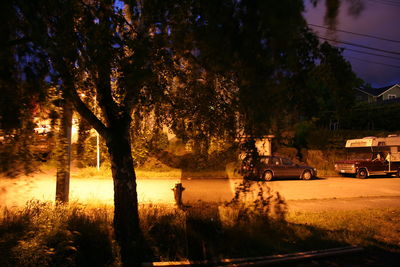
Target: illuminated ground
[324, 193]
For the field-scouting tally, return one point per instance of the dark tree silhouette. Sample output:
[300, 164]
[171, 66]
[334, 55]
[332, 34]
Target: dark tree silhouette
[205, 68]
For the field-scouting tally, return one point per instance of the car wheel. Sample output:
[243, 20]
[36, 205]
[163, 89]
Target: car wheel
[268, 175]
[306, 175]
[362, 173]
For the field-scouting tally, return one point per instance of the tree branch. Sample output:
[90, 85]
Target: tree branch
[87, 114]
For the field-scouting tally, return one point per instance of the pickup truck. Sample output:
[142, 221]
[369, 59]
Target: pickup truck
[362, 168]
[371, 156]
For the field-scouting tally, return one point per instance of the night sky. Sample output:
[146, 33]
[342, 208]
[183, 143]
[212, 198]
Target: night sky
[379, 18]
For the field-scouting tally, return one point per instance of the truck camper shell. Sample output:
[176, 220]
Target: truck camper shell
[388, 145]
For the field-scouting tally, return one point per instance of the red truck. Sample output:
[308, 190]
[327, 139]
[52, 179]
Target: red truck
[371, 156]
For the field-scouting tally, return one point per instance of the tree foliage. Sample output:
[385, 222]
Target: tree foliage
[22, 85]
[207, 69]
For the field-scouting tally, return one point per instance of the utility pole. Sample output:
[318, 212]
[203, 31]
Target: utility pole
[98, 150]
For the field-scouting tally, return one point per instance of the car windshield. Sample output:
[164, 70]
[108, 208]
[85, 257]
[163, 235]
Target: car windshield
[275, 161]
[287, 162]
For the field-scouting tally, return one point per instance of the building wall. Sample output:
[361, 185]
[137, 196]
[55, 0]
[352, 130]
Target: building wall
[364, 97]
[395, 90]
[371, 99]
[361, 97]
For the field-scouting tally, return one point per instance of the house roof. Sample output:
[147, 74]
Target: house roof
[376, 91]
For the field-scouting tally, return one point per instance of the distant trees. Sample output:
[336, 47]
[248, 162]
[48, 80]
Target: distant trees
[22, 87]
[207, 69]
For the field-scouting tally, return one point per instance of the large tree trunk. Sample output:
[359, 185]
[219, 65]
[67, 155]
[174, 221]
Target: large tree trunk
[126, 216]
[64, 153]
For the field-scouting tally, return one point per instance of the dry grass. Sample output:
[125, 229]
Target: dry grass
[366, 228]
[324, 160]
[145, 173]
[42, 234]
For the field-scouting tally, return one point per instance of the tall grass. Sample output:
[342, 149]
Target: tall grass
[209, 231]
[42, 234]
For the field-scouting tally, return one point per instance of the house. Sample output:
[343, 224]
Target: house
[372, 95]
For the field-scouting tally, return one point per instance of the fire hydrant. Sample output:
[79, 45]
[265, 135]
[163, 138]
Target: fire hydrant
[178, 189]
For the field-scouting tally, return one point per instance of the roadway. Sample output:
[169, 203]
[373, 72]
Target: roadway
[321, 193]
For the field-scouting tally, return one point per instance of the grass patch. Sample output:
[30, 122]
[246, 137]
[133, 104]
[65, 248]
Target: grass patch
[105, 173]
[42, 234]
[92, 172]
[378, 228]
[161, 173]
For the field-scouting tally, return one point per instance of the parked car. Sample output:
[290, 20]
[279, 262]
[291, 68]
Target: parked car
[269, 167]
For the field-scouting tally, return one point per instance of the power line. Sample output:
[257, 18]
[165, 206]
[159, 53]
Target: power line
[388, 3]
[359, 34]
[374, 62]
[385, 2]
[368, 53]
[362, 46]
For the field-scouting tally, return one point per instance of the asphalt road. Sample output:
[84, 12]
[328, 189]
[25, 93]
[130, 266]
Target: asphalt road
[322, 193]
[318, 194]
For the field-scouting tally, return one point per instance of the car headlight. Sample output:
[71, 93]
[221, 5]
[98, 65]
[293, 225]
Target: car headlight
[336, 166]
